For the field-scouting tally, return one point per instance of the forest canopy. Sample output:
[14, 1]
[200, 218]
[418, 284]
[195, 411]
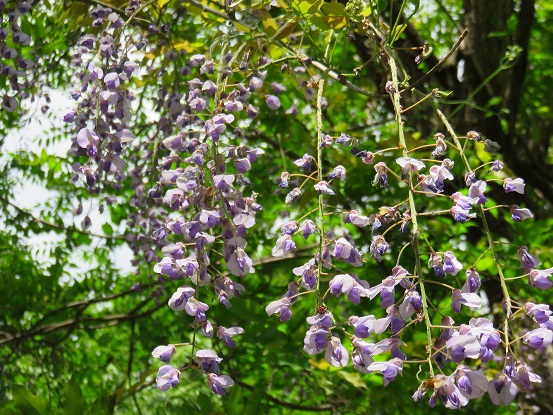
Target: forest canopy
[276, 206]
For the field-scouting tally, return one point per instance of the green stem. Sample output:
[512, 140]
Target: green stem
[320, 177]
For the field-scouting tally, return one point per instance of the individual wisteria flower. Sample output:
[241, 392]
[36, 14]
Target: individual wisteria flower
[519, 214]
[326, 141]
[389, 369]
[338, 172]
[323, 188]
[346, 284]
[441, 146]
[272, 102]
[304, 163]
[167, 377]
[502, 390]
[293, 195]
[387, 287]
[497, 165]
[164, 353]
[323, 320]
[451, 264]
[362, 326]
[362, 355]
[462, 346]
[226, 334]
[179, 298]
[476, 191]
[408, 165]
[281, 307]
[459, 297]
[540, 278]
[540, 313]
[196, 309]
[316, 340]
[336, 355]
[307, 228]
[289, 228]
[381, 178]
[355, 218]
[472, 384]
[218, 384]
[308, 272]
[514, 185]
[86, 138]
[283, 246]
[208, 361]
[527, 260]
[378, 247]
[539, 338]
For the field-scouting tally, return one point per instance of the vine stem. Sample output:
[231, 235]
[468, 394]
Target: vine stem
[320, 177]
[396, 100]
[502, 279]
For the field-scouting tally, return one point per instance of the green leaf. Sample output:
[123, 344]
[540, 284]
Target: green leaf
[103, 405]
[307, 6]
[334, 9]
[353, 378]
[107, 228]
[74, 402]
[28, 403]
[381, 5]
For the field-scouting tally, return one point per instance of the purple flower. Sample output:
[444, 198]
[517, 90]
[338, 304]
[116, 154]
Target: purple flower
[502, 390]
[362, 326]
[272, 102]
[497, 165]
[538, 338]
[437, 264]
[356, 219]
[308, 272]
[323, 188]
[304, 163]
[281, 307]
[283, 246]
[242, 165]
[472, 283]
[362, 355]
[164, 353]
[473, 384]
[539, 312]
[196, 309]
[70, 115]
[316, 340]
[540, 278]
[218, 384]
[226, 334]
[476, 191]
[516, 185]
[167, 377]
[519, 214]
[86, 138]
[112, 80]
[462, 346]
[294, 195]
[451, 264]
[381, 178]
[527, 260]
[208, 361]
[307, 228]
[378, 247]
[338, 172]
[389, 369]
[346, 284]
[336, 355]
[458, 298]
[408, 165]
